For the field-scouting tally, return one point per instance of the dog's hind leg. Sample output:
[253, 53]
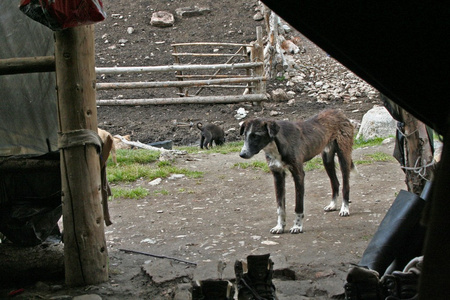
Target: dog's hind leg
[346, 164]
[330, 167]
[202, 140]
[280, 193]
[299, 178]
[208, 139]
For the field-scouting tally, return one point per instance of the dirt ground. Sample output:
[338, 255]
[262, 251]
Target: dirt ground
[226, 214]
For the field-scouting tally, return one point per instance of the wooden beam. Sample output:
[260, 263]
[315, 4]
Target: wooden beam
[11, 66]
[187, 100]
[119, 70]
[165, 84]
[85, 252]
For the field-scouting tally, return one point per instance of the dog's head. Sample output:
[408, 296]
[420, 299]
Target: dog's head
[258, 133]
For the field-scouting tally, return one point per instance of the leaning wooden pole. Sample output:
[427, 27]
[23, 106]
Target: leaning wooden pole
[85, 253]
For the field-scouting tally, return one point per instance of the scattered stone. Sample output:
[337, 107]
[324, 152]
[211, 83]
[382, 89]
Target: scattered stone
[193, 11]
[130, 30]
[274, 113]
[162, 19]
[279, 95]
[148, 241]
[258, 16]
[176, 176]
[155, 181]
[240, 113]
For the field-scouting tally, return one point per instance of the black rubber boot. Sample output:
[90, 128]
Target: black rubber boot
[256, 283]
[393, 238]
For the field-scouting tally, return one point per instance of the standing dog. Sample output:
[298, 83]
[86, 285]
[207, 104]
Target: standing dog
[288, 145]
[210, 133]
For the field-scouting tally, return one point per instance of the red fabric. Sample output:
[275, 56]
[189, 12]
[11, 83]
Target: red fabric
[64, 13]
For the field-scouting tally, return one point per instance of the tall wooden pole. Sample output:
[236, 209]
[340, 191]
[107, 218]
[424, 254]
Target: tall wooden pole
[85, 253]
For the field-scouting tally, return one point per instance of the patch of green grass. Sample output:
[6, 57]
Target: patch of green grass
[136, 164]
[136, 193]
[226, 148]
[162, 192]
[374, 157]
[139, 156]
[256, 165]
[359, 143]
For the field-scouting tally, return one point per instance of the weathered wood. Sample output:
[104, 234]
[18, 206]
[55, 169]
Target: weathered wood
[148, 147]
[20, 65]
[165, 84]
[85, 252]
[187, 100]
[208, 54]
[149, 69]
[20, 264]
[258, 56]
[210, 44]
[419, 165]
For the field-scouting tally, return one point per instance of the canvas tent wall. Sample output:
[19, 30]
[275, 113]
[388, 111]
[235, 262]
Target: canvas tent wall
[28, 111]
[29, 206]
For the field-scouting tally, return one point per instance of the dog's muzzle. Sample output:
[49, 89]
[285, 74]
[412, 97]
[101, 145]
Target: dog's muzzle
[245, 153]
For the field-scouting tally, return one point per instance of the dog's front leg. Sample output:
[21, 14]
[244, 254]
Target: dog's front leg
[299, 177]
[280, 180]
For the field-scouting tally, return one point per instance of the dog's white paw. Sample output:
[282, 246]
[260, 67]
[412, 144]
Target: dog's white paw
[330, 207]
[277, 230]
[345, 211]
[296, 229]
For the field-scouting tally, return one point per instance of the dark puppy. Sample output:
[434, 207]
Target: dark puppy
[210, 133]
[288, 145]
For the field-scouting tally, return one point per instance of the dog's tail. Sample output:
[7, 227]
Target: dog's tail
[200, 125]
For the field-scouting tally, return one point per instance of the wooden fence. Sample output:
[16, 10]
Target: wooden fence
[244, 69]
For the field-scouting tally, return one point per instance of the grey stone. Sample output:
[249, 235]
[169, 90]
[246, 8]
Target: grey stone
[377, 122]
[166, 270]
[162, 19]
[193, 11]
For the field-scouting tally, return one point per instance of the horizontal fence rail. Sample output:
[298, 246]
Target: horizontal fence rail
[119, 70]
[186, 83]
[187, 100]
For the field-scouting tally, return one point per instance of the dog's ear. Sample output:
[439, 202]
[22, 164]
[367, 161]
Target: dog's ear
[272, 128]
[243, 125]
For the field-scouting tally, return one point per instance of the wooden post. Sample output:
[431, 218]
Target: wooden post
[85, 253]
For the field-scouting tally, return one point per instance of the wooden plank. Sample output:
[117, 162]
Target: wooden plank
[208, 54]
[211, 44]
[149, 69]
[21, 65]
[187, 100]
[85, 252]
[165, 84]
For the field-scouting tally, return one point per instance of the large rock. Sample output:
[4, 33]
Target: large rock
[162, 19]
[377, 122]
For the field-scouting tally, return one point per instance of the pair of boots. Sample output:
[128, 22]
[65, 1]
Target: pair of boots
[253, 282]
[364, 284]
